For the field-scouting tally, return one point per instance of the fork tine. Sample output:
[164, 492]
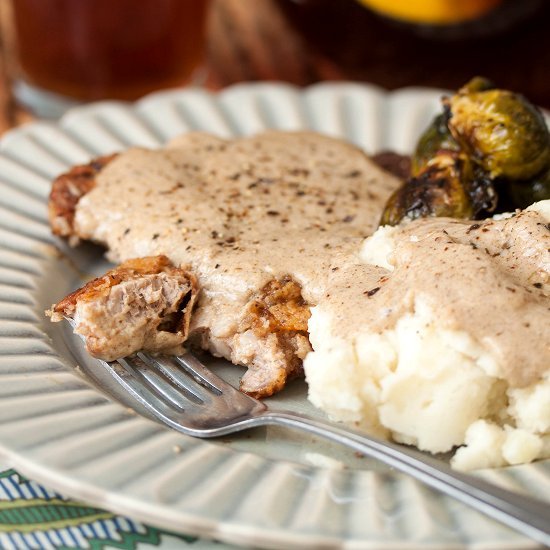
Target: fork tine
[204, 376]
[173, 374]
[129, 377]
[156, 373]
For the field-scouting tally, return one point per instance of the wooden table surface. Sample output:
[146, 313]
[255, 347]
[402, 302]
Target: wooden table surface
[312, 40]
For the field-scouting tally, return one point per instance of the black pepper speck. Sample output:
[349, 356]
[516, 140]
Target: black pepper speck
[371, 292]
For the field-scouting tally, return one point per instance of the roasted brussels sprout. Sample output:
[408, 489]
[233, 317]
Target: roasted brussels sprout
[504, 133]
[520, 194]
[440, 189]
[435, 138]
[487, 146]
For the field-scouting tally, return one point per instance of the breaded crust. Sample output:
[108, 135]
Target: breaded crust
[68, 189]
[142, 304]
[277, 317]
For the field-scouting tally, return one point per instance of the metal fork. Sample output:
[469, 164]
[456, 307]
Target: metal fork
[186, 396]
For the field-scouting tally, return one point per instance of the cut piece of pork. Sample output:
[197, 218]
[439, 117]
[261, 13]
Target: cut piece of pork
[142, 304]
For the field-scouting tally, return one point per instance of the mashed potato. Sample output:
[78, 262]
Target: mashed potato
[447, 342]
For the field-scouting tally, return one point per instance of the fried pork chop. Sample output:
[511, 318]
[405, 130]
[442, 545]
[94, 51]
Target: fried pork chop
[143, 304]
[260, 221]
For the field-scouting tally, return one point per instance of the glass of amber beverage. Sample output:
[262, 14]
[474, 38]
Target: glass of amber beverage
[70, 51]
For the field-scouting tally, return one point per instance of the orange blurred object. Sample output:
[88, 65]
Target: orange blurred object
[93, 49]
[434, 12]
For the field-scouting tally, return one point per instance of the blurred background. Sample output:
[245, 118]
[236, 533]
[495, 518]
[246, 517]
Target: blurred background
[66, 50]
[441, 43]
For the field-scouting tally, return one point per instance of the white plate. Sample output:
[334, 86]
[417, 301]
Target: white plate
[268, 488]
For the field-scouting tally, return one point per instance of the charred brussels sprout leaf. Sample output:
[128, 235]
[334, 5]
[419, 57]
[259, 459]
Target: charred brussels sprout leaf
[504, 133]
[436, 138]
[438, 190]
[482, 193]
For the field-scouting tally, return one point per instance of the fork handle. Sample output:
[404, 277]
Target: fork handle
[527, 515]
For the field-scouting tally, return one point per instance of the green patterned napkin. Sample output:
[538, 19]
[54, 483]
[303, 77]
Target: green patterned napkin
[33, 517]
